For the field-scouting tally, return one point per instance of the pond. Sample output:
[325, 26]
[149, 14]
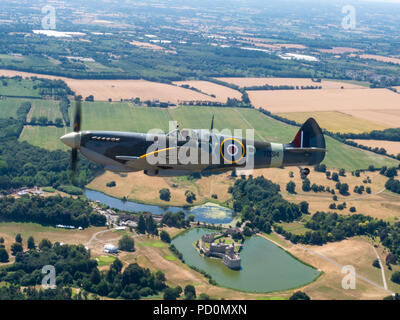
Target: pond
[208, 213]
[265, 266]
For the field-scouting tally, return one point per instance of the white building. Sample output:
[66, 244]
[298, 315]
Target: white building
[110, 248]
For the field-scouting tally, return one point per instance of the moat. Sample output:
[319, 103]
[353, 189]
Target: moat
[265, 267]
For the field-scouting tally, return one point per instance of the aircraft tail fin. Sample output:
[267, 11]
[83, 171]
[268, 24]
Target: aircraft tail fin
[310, 138]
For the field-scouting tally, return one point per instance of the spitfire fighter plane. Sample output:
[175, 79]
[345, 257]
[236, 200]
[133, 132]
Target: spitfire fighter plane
[161, 154]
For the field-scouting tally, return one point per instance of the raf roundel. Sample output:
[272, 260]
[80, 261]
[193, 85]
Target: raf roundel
[232, 150]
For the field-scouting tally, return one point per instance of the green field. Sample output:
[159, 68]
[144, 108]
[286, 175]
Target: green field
[47, 108]
[45, 137]
[105, 260]
[125, 117]
[294, 227]
[9, 106]
[22, 88]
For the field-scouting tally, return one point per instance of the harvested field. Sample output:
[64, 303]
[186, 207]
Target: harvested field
[325, 100]
[248, 82]
[129, 89]
[392, 147]
[380, 203]
[386, 117]
[123, 89]
[380, 58]
[339, 50]
[221, 93]
[336, 121]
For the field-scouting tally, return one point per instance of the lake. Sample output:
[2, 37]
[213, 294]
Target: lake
[265, 266]
[208, 213]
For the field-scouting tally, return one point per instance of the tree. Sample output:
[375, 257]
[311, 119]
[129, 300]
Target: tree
[304, 206]
[396, 277]
[172, 293]
[165, 236]
[299, 295]
[3, 255]
[190, 196]
[141, 228]
[204, 296]
[165, 194]
[376, 264]
[190, 292]
[18, 238]
[16, 247]
[291, 187]
[247, 231]
[353, 209]
[45, 244]
[390, 258]
[126, 243]
[344, 189]
[335, 176]
[342, 172]
[31, 243]
[151, 226]
[58, 122]
[116, 265]
[89, 98]
[306, 185]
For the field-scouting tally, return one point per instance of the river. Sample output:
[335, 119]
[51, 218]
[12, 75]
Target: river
[208, 213]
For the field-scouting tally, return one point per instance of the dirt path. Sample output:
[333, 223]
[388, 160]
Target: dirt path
[382, 268]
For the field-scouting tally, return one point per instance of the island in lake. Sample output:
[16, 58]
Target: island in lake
[224, 245]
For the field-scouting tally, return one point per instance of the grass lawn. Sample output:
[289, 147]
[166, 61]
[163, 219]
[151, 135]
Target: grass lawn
[155, 244]
[105, 260]
[294, 227]
[170, 258]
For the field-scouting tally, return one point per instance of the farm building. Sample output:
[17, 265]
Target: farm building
[110, 248]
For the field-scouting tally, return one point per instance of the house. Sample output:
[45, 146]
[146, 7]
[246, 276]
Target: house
[110, 248]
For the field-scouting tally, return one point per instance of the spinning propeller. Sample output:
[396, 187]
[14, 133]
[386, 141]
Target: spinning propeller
[73, 139]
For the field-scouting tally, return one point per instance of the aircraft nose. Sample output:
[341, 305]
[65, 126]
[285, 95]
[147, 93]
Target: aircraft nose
[72, 139]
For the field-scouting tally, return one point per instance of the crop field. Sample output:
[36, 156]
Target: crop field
[392, 147]
[221, 93]
[248, 82]
[335, 121]
[102, 90]
[325, 100]
[45, 108]
[380, 58]
[378, 106]
[130, 89]
[125, 117]
[384, 117]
